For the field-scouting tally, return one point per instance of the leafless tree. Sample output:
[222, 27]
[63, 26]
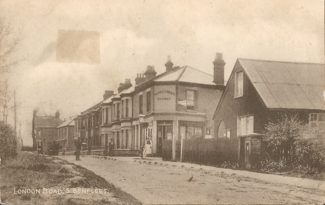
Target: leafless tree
[8, 46]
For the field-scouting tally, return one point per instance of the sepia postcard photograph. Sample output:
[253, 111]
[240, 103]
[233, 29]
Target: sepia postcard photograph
[131, 102]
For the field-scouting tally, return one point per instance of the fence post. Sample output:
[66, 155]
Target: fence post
[181, 153]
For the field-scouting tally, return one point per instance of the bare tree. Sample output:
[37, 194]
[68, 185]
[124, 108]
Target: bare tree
[8, 46]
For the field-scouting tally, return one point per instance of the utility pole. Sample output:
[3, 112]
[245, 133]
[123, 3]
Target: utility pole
[15, 113]
[5, 102]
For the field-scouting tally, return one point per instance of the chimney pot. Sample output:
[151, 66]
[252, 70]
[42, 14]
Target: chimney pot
[57, 114]
[169, 64]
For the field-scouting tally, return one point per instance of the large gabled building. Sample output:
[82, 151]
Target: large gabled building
[259, 91]
[44, 130]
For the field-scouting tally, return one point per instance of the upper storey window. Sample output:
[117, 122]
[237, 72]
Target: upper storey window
[239, 84]
[140, 104]
[190, 99]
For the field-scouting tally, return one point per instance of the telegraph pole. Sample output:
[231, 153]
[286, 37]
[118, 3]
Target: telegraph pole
[5, 102]
[15, 113]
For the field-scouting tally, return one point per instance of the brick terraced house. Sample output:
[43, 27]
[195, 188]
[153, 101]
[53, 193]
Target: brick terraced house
[176, 104]
[66, 135]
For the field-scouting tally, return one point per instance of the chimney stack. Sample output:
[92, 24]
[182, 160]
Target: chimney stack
[107, 94]
[139, 79]
[169, 64]
[57, 114]
[150, 72]
[125, 85]
[219, 69]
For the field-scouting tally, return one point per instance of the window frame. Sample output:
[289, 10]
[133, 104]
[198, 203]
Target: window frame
[237, 93]
[126, 108]
[190, 107]
[148, 96]
[117, 111]
[316, 120]
[122, 109]
[140, 104]
[243, 125]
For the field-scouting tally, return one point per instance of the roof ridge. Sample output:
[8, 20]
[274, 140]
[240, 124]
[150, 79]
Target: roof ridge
[279, 61]
[158, 76]
[198, 70]
[182, 72]
[288, 83]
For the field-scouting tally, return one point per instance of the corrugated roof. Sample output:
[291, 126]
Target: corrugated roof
[47, 121]
[287, 84]
[187, 74]
[69, 122]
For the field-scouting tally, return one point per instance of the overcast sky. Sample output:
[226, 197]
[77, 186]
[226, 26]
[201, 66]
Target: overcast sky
[134, 34]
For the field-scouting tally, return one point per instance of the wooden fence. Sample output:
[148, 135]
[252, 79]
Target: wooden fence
[203, 151]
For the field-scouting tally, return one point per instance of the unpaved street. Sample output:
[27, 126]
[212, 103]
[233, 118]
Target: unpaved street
[160, 183]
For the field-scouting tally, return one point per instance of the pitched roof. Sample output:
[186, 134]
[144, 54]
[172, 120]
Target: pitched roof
[47, 121]
[92, 108]
[287, 84]
[127, 91]
[187, 74]
[66, 123]
[108, 100]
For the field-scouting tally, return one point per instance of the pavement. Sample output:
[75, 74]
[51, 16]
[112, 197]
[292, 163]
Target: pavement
[153, 181]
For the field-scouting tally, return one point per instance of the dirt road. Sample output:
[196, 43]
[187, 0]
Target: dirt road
[158, 183]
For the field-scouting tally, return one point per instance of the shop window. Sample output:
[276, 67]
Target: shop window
[189, 130]
[190, 99]
[239, 84]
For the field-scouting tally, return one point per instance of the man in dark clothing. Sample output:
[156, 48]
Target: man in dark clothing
[110, 148]
[78, 148]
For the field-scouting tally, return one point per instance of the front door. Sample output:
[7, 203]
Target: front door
[164, 132]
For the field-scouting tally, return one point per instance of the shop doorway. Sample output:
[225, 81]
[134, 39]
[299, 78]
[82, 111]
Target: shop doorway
[164, 132]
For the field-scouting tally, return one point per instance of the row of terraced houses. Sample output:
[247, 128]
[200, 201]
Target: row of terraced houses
[175, 104]
[187, 114]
